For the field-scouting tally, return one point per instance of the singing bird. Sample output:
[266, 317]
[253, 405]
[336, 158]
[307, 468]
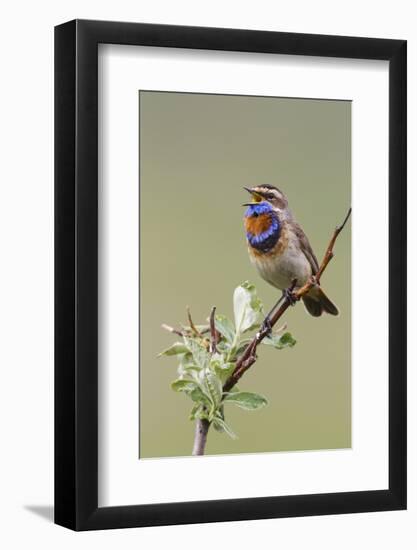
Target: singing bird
[279, 248]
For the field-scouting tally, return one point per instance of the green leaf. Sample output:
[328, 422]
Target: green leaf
[187, 367]
[198, 411]
[193, 411]
[223, 348]
[218, 427]
[176, 349]
[184, 385]
[224, 370]
[215, 386]
[221, 426]
[280, 341]
[246, 400]
[288, 340]
[199, 396]
[228, 367]
[219, 414]
[225, 327]
[247, 308]
[217, 360]
[223, 365]
[200, 354]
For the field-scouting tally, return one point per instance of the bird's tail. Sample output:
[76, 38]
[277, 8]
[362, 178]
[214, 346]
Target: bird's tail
[316, 302]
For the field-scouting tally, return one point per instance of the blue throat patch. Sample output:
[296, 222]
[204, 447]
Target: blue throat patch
[268, 238]
[258, 208]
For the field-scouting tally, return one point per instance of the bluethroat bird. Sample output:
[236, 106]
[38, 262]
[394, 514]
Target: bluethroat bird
[279, 248]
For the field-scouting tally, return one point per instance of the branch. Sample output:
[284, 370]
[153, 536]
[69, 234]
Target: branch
[202, 425]
[192, 325]
[248, 357]
[200, 437]
[172, 329]
[329, 252]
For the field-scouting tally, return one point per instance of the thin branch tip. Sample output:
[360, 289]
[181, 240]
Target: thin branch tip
[172, 329]
[340, 227]
[192, 325]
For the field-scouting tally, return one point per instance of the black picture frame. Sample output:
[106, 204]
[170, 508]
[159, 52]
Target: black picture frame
[76, 272]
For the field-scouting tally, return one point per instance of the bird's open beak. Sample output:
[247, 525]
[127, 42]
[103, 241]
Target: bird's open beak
[257, 197]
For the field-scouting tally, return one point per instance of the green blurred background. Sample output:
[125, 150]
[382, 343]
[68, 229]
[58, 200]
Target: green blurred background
[197, 151]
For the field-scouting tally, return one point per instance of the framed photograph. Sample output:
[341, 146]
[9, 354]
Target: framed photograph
[230, 252]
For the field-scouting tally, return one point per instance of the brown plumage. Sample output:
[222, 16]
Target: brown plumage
[316, 300]
[280, 249]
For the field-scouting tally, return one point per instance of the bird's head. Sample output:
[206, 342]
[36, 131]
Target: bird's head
[270, 194]
[272, 198]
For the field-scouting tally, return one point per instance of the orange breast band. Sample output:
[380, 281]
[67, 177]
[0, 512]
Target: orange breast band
[257, 225]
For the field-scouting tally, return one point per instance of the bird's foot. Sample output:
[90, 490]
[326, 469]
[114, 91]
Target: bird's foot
[289, 296]
[266, 327]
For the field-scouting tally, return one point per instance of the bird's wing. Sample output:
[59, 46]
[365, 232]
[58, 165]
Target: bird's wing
[306, 248]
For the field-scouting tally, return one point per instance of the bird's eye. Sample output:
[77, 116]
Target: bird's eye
[270, 196]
